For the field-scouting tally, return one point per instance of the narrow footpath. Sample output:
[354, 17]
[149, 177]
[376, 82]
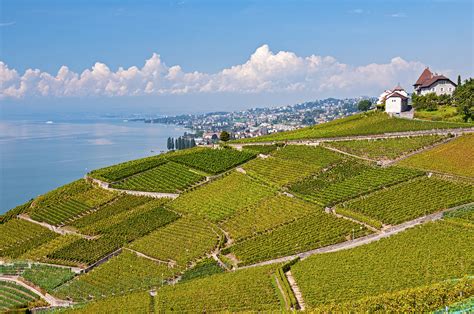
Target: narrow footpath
[53, 301]
[55, 229]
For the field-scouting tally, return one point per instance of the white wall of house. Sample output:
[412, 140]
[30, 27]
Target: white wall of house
[393, 105]
[440, 88]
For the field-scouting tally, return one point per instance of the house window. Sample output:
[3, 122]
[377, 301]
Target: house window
[441, 89]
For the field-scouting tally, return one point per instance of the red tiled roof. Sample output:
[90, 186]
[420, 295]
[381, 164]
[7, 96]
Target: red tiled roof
[434, 79]
[426, 75]
[395, 94]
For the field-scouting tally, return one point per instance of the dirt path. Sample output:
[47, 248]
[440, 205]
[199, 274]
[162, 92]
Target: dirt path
[106, 186]
[459, 131]
[296, 290]
[170, 263]
[55, 229]
[362, 240]
[53, 301]
[348, 154]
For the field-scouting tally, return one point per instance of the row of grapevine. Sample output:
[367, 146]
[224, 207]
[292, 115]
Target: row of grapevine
[14, 296]
[41, 252]
[58, 213]
[181, 242]
[129, 168]
[267, 214]
[251, 289]
[47, 277]
[279, 172]
[116, 235]
[221, 198]
[104, 226]
[74, 200]
[359, 124]
[170, 177]
[347, 187]
[204, 268]
[134, 302]
[383, 149]
[307, 233]
[439, 296]
[412, 199]
[454, 157]
[423, 255]
[122, 274]
[18, 236]
[123, 203]
[314, 155]
[214, 160]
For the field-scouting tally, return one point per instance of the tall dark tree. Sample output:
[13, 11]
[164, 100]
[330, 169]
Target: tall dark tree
[464, 99]
[176, 144]
[459, 80]
[364, 105]
[225, 136]
[193, 143]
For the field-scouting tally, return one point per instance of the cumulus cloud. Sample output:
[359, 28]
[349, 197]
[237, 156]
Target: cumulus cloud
[264, 72]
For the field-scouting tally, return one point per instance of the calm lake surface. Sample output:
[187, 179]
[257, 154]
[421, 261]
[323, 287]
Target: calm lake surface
[36, 156]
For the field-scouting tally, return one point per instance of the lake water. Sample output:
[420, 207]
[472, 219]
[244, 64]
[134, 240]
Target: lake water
[36, 156]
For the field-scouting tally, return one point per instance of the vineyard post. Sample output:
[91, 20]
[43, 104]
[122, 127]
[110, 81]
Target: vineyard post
[353, 234]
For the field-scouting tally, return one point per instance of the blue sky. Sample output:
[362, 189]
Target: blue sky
[206, 37]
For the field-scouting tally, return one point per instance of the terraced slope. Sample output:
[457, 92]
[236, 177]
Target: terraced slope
[358, 124]
[121, 274]
[424, 255]
[214, 160]
[454, 157]
[169, 177]
[243, 290]
[267, 214]
[385, 149]
[412, 199]
[13, 296]
[307, 233]
[114, 233]
[180, 242]
[18, 236]
[290, 164]
[223, 197]
[348, 180]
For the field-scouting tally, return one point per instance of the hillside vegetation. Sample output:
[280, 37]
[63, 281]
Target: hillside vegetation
[354, 225]
[359, 124]
[455, 157]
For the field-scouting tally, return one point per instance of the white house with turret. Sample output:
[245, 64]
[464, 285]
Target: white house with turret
[430, 82]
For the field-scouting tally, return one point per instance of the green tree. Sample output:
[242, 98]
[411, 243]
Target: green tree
[459, 80]
[225, 136]
[428, 102]
[464, 99]
[364, 105]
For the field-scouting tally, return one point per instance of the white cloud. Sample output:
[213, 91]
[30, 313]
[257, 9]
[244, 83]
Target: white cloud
[264, 72]
[398, 15]
[5, 24]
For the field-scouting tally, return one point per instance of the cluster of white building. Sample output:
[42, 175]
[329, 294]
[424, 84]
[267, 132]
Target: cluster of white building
[397, 100]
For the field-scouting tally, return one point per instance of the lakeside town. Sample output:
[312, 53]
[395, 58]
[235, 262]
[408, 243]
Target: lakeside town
[431, 91]
[206, 128]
